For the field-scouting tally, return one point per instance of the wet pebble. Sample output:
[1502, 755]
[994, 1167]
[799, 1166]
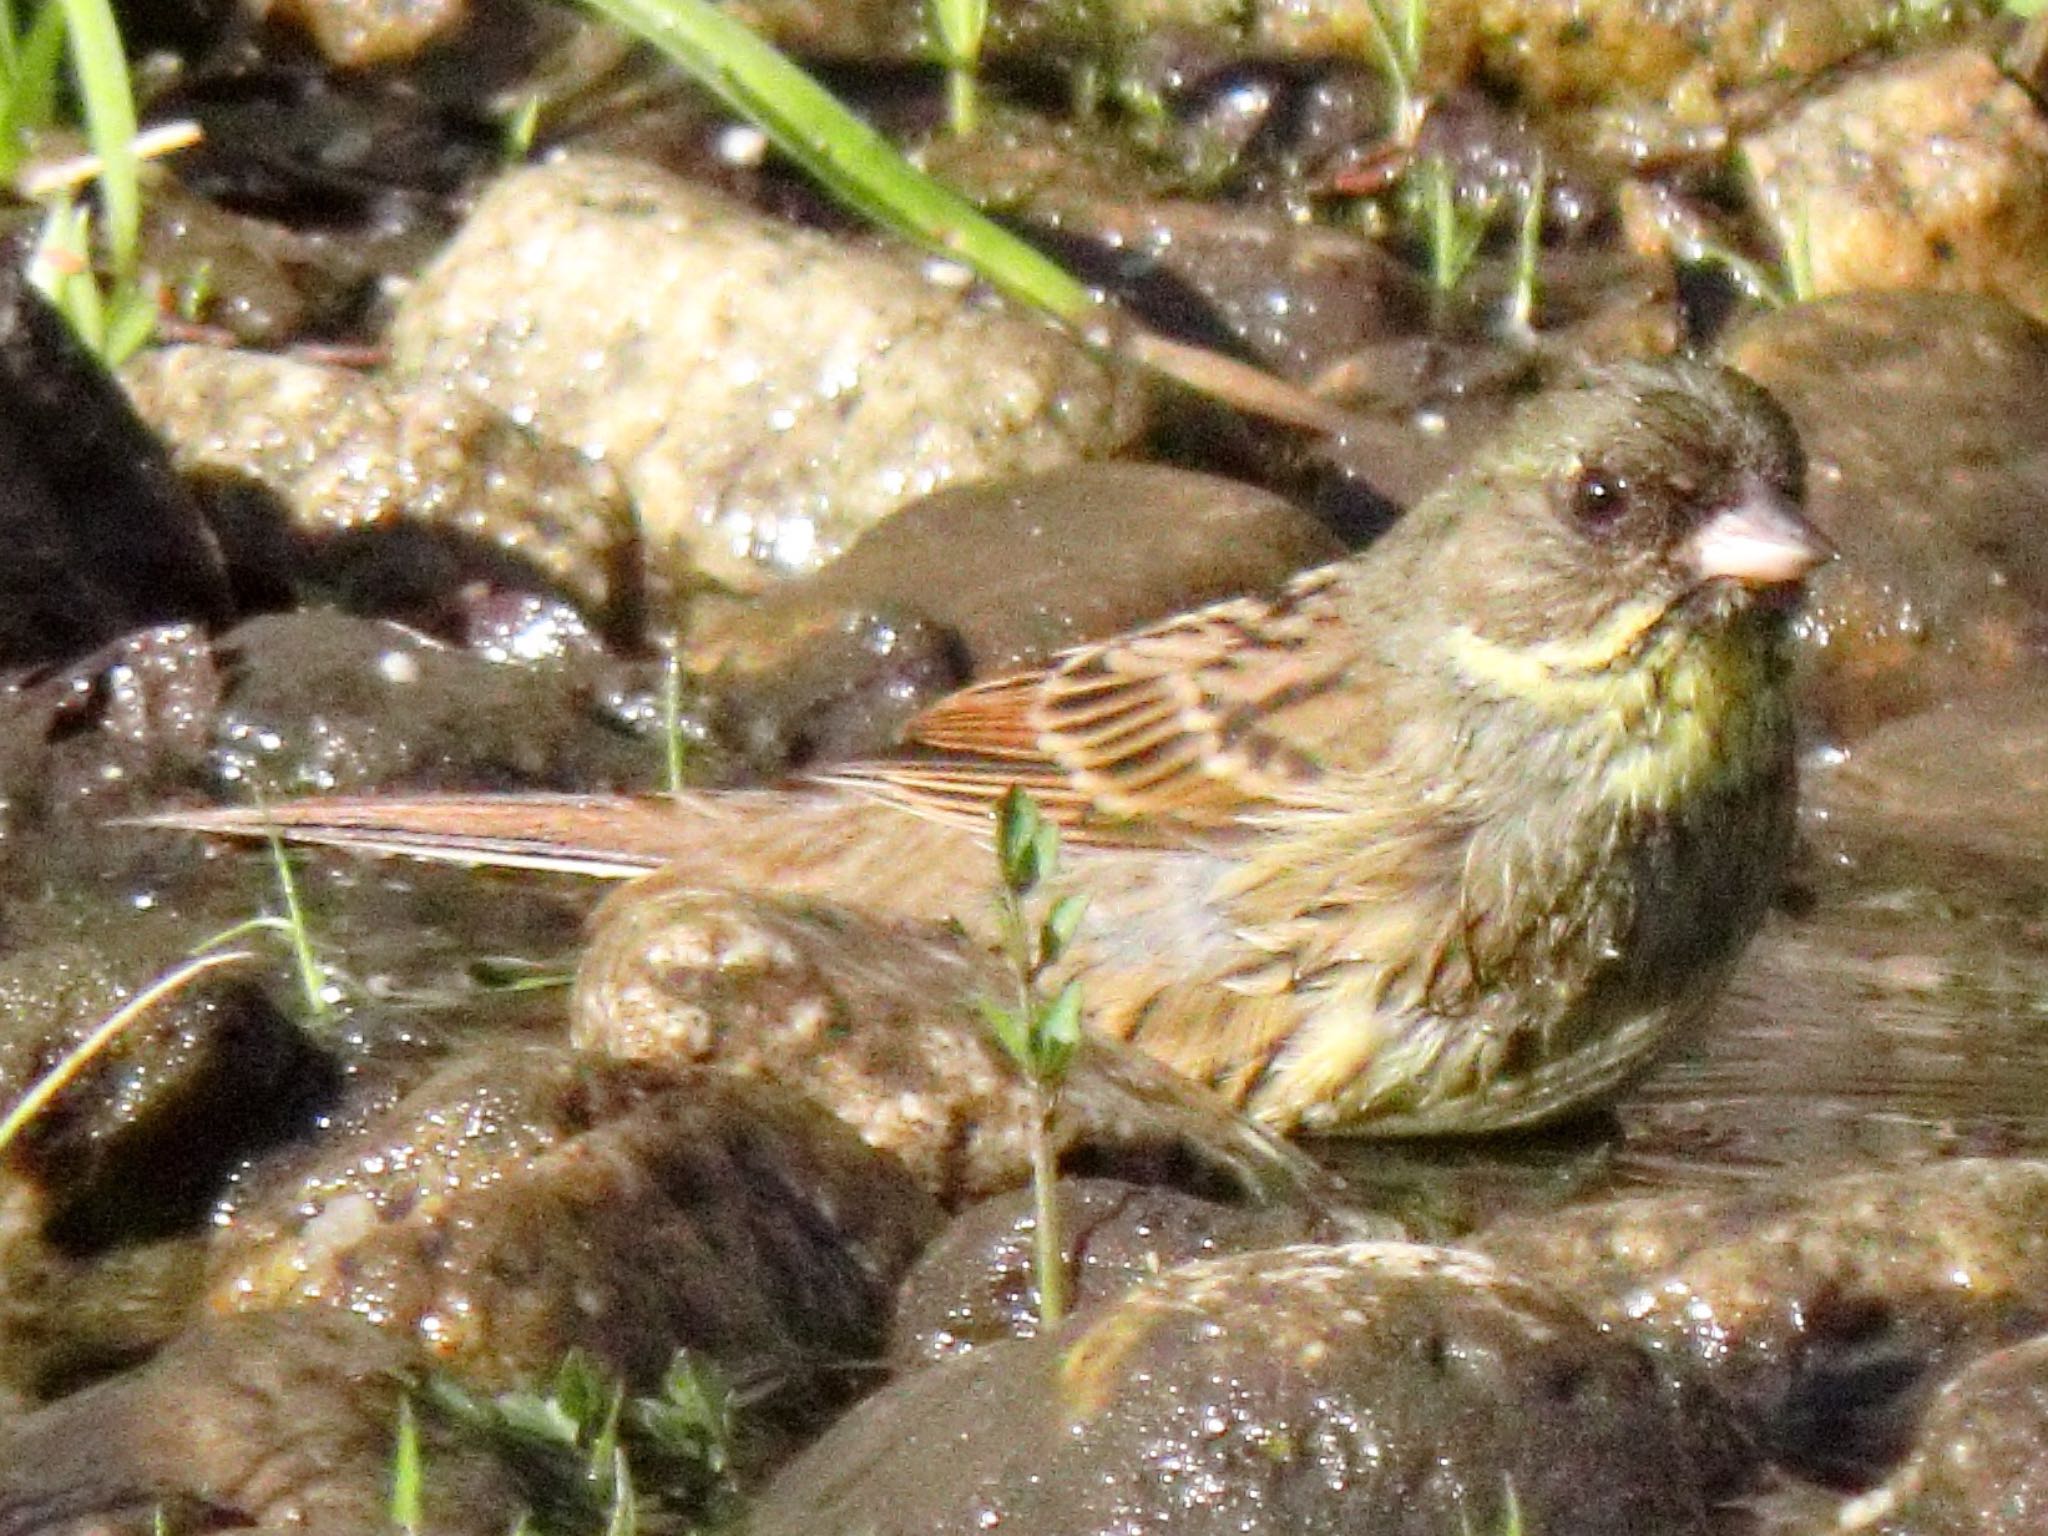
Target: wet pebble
[1019, 567]
[1377, 1388]
[137, 1142]
[1979, 1464]
[318, 701]
[1827, 1311]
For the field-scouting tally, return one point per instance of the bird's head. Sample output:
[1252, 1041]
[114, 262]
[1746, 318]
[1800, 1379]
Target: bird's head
[1642, 492]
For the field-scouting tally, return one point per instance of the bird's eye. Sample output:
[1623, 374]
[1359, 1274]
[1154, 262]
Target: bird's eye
[1600, 498]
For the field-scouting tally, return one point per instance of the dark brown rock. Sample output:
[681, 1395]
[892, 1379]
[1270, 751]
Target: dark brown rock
[976, 1283]
[279, 1420]
[1826, 1311]
[522, 1202]
[1376, 1388]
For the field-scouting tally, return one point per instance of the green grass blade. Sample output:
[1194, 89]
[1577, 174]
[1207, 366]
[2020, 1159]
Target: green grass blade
[28, 81]
[102, 72]
[853, 161]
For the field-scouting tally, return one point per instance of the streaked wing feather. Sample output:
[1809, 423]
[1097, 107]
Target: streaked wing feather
[1182, 724]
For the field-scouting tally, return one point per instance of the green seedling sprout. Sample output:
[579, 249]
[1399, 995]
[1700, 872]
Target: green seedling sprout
[408, 1474]
[675, 758]
[1800, 285]
[116, 315]
[1528, 255]
[315, 985]
[1397, 32]
[1453, 229]
[100, 68]
[958, 27]
[30, 58]
[590, 1457]
[1037, 1031]
[1510, 1514]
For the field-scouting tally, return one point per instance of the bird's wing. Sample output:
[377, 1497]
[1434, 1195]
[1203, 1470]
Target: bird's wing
[1189, 726]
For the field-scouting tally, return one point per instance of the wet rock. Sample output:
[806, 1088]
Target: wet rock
[244, 275]
[1928, 466]
[1421, 404]
[1017, 569]
[355, 33]
[280, 1421]
[114, 732]
[317, 701]
[370, 164]
[763, 392]
[1930, 172]
[798, 685]
[1968, 777]
[69, 1319]
[1294, 297]
[137, 1145]
[875, 1020]
[1828, 1310]
[1692, 55]
[1979, 1465]
[107, 1190]
[976, 1282]
[347, 463]
[100, 537]
[1375, 1388]
[524, 1201]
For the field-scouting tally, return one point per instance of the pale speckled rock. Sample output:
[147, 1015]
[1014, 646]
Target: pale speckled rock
[764, 392]
[1376, 1389]
[1826, 1310]
[342, 451]
[1685, 52]
[1979, 1466]
[1929, 173]
[356, 33]
[875, 1020]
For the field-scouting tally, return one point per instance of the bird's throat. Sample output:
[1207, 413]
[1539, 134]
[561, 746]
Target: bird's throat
[1652, 711]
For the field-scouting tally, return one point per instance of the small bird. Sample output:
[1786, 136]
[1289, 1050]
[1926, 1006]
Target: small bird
[1450, 836]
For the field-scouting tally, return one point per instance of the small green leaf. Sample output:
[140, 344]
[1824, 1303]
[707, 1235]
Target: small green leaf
[1059, 1032]
[1045, 847]
[1060, 926]
[1010, 1030]
[581, 1394]
[623, 1518]
[1017, 824]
